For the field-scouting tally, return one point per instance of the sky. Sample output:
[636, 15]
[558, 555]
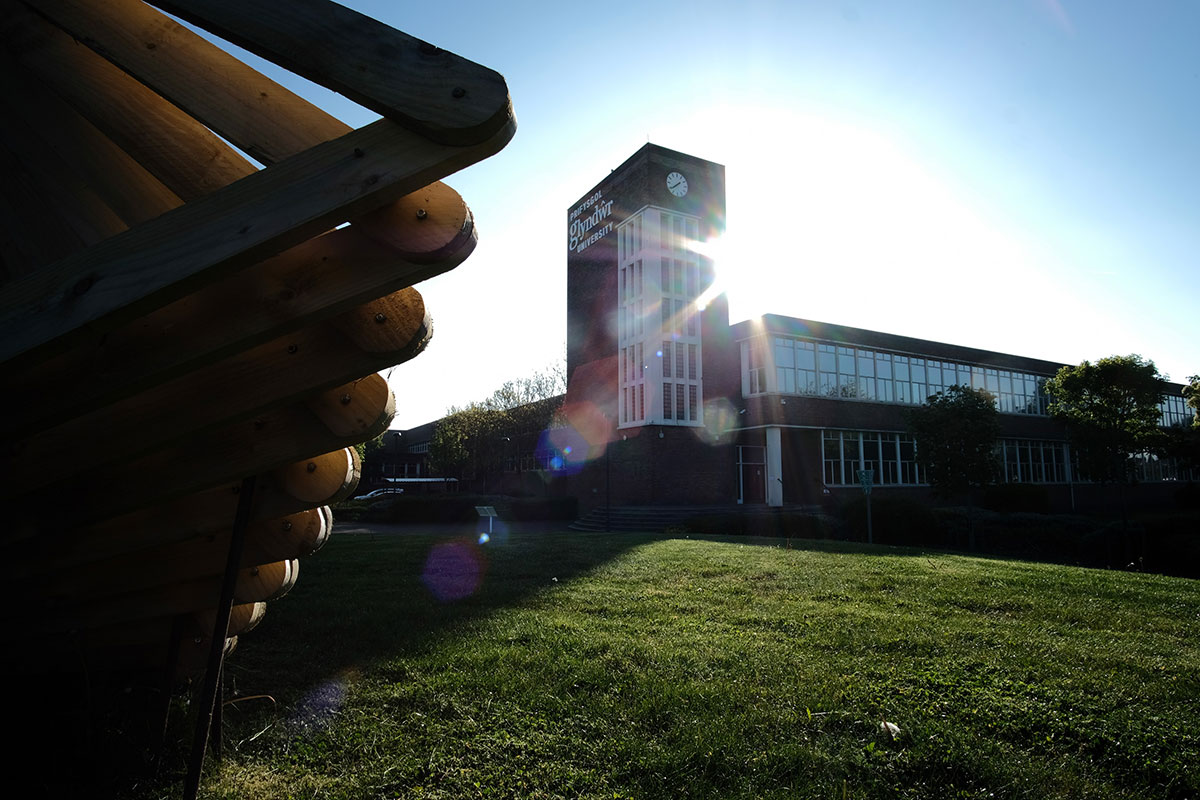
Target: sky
[1018, 176]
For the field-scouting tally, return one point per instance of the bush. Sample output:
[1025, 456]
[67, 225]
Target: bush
[531, 509]
[1016, 497]
[455, 508]
[766, 523]
[894, 520]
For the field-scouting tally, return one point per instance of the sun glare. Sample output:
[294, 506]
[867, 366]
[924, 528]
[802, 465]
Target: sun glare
[836, 221]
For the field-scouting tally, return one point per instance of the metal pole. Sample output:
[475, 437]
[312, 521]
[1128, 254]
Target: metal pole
[216, 652]
[607, 485]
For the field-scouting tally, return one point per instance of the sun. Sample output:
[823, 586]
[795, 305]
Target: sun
[839, 222]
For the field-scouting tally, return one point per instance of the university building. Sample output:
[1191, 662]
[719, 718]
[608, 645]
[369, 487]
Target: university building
[773, 411]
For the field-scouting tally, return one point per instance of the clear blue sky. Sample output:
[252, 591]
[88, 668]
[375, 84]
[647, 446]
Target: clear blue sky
[1020, 176]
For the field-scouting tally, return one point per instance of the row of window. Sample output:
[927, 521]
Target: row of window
[681, 401]
[1175, 411]
[633, 403]
[803, 366]
[680, 360]
[892, 457]
[678, 232]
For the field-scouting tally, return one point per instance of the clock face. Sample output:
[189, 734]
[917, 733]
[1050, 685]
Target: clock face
[676, 184]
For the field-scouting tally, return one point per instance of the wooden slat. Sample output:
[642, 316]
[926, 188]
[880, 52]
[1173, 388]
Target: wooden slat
[31, 233]
[377, 335]
[161, 260]
[267, 541]
[243, 618]
[432, 228]
[59, 134]
[143, 644]
[71, 204]
[320, 424]
[178, 150]
[256, 584]
[296, 487]
[245, 107]
[434, 92]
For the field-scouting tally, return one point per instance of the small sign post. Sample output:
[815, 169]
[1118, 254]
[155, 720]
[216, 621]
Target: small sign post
[865, 478]
[490, 513]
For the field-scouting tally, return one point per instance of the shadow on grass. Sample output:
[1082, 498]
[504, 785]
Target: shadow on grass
[378, 592]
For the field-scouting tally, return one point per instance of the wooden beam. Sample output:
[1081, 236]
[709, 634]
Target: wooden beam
[170, 256]
[424, 233]
[309, 483]
[267, 541]
[255, 113]
[58, 134]
[379, 334]
[261, 583]
[440, 95]
[322, 423]
[183, 154]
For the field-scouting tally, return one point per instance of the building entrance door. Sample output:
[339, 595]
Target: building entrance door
[752, 475]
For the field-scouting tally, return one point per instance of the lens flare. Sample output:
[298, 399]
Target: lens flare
[453, 571]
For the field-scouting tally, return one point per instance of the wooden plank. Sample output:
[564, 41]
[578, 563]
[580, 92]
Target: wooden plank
[267, 541]
[261, 583]
[48, 547]
[320, 424]
[263, 214]
[72, 205]
[143, 644]
[434, 92]
[59, 134]
[256, 114]
[178, 150]
[425, 232]
[377, 335]
[243, 618]
[31, 232]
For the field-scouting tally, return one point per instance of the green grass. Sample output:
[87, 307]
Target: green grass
[610, 666]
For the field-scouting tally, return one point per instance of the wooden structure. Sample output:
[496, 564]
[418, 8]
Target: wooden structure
[187, 336]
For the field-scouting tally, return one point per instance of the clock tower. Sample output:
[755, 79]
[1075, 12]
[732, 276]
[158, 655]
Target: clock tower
[636, 269]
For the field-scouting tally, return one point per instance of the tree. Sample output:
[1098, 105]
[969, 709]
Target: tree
[956, 435]
[477, 441]
[1111, 410]
[1191, 395]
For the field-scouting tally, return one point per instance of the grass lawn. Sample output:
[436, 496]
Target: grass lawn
[621, 665]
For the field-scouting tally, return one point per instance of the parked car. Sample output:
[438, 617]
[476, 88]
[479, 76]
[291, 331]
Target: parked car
[378, 493]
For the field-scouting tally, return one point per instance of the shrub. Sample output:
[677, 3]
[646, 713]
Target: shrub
[766, 523]
[1016, 497]
[894, 520]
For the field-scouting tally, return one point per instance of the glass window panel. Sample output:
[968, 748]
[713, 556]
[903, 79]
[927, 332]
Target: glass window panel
[883, 365]
[805, 355]
[866, 363]
[692, 403]
[828, 358]
[679, 406]
[666, 359]
[667, 392]
[784, 354]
